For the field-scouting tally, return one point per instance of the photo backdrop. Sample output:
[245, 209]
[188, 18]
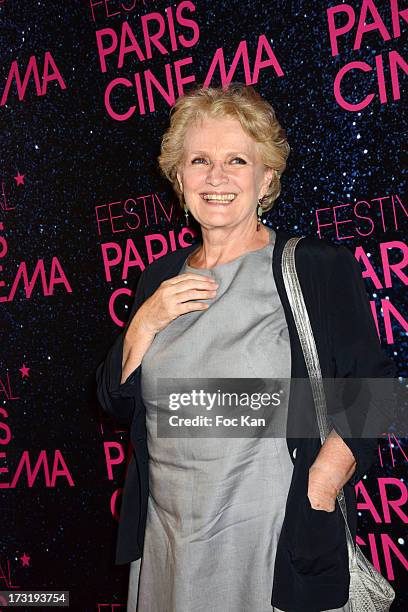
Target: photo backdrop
[85, 93]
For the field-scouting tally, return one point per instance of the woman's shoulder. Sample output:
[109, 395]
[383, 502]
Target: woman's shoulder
[316, 245]
[320, 253]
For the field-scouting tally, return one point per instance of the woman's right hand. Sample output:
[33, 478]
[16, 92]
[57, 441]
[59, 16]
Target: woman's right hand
[174, 297]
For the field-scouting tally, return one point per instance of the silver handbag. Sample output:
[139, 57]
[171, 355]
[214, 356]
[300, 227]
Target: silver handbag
[369, 591]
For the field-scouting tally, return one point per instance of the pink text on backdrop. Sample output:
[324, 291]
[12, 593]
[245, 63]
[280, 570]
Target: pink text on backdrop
[394, 443]
[114, 457]
[48, 466]
[363, 218]
[156, 246]
[108, 43]
[129, 214]
[342, 20]
[50, 72]
[127, 47]
[42, 470]
[6, 392]
[387, 308]
[393, 497]
[217, 69]
[103, 9]
[5, 203]
[6, 581]
[46, 277]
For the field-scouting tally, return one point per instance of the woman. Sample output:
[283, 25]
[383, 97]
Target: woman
[240, 523]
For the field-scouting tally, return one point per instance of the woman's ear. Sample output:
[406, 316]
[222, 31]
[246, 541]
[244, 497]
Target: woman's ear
[268, 176]
[270, 173]
[179, 181]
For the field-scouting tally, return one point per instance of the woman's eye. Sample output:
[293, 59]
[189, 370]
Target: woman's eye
[197, 160]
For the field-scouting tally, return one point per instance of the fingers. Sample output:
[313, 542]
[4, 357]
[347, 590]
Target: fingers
[176, 296]
[191, 306]
[196, 294]
[190, 287]
[189, 276]
[319, 504]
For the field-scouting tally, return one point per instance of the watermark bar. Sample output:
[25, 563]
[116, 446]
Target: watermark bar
[279, 408]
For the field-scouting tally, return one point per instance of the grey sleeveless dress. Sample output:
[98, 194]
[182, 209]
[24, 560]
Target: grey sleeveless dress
[216, 505]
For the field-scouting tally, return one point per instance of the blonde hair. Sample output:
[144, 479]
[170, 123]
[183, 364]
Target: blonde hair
[256, 116]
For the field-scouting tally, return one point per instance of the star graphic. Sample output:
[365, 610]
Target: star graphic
[25, 559]
[24, 371]
[19, 178]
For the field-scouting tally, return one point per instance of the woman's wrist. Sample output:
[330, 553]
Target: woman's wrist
[135, 344]
[336, 460]
[321, 491]
[332, 468]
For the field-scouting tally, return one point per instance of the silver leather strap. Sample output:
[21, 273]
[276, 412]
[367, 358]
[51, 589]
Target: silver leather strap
[305, 332]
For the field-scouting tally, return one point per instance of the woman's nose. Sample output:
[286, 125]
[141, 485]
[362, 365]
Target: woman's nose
[216, 171]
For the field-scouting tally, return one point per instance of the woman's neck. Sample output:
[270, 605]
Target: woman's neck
[222, 247]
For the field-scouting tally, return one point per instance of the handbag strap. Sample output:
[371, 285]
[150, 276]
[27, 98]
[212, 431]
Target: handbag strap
[305, 332]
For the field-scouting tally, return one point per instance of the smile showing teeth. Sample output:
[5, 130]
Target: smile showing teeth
[227, 197]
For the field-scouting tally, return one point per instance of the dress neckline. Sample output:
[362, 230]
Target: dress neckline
[227, 263]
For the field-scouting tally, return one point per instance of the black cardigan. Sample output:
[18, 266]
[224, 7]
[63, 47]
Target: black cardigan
[311, 565]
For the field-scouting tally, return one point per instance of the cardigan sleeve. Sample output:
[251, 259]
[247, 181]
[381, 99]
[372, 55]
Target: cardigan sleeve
[119, 400]
[357, 354]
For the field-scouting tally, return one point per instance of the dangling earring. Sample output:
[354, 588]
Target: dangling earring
[259, 215]
[186, 214]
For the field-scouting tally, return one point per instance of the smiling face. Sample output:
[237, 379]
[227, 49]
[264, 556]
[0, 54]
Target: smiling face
[222, 175]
